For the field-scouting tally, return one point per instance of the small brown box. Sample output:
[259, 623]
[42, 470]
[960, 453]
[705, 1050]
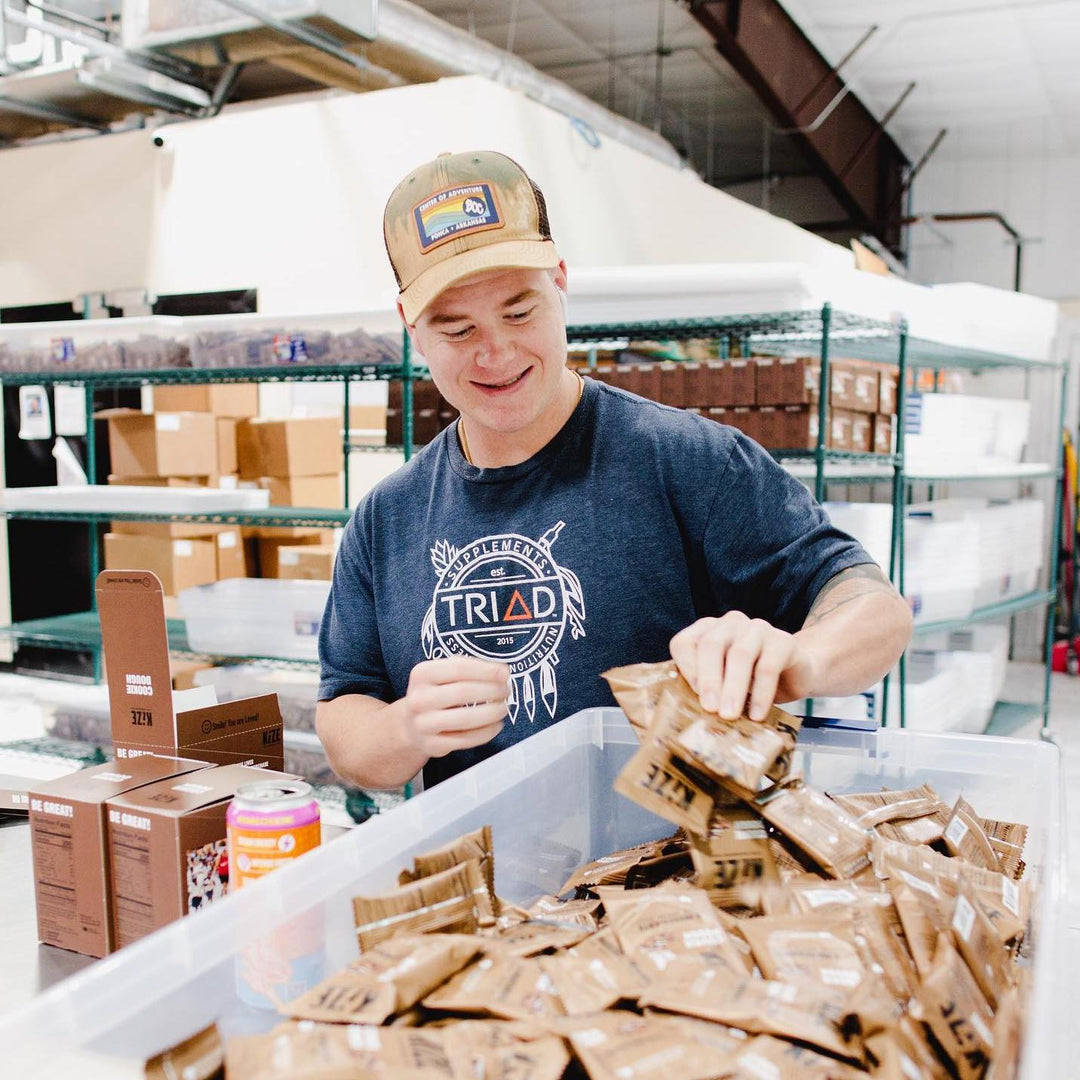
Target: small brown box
[623, 377]
[883, 434]
[270, 550]
[180, 564]
[866, 388]
[236, 400]
[167, 847]
[425, 395]
[226, 446]
[166, 530]
[718, 384]
[746, 420]
[312, 491]
[767, 380]
[770, 427]
[800, 427]
[648, 381]
[840, 429]
[786, 380]
[862, 432]
[70, 853]
[743, 382]
[842, 384]
[719, 413]
[311, 446]
[162, 444]
[673, 385]
[231, 561]
[394, 391]
[601, 373]
[696, 386]
[308, 562]
[888, 379]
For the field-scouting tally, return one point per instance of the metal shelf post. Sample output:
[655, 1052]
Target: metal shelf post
[1055, 555]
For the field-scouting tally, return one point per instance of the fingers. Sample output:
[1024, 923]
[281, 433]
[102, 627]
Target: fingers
[459, 669]
[452, 695]
[446, 743]
[774, 659]
[684, 649]
[463, 718]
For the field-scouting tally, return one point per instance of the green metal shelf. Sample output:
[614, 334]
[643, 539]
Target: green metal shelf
[1020, 472]
[853, 456]
[282, 516]
[82, 631]
[992, 611]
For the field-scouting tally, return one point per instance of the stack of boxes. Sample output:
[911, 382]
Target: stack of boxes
[431, 412]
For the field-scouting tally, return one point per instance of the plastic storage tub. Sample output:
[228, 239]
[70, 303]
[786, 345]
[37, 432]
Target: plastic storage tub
[255, 617]
[551, 805]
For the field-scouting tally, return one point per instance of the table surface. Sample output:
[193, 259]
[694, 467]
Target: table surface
[27, 967]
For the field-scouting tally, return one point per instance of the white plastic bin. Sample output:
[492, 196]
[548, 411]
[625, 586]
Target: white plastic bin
[551, 805]
[255, 617]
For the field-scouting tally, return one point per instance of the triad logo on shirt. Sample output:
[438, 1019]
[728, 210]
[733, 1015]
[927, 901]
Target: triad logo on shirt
[504, 598]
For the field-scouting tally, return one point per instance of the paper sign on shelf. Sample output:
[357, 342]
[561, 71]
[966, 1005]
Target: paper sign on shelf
[35, 419]
[70, 409]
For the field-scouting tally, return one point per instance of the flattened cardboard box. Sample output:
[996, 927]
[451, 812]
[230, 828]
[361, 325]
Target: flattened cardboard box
[167, 847]
[133, 632]
[71, 859]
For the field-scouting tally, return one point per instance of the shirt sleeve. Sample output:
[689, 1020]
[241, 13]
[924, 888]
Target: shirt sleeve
[769, 546]
[350, 652]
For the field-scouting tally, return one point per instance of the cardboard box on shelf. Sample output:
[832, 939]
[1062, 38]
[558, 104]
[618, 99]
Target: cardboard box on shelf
[309, 562]
[179, 564]
[746, 420]
[227, 462]
[425, 426]
[841, 430]
[318, 491]
[770, 427]
[883, 434]
[183, 672]
[888, 379]
[866, 387]
[862, 431]
[367, 418]
[602, 372]
[167, 847]
[164, 530]
[163, 444]
[622, 377]
[70, 853]
[716, 376]
[673, 385]
[743, 384]
[842, 393]
[648, 381]
[696, 386]
[161, 481]
[222, 399]
[800, 427]
[231, 554]
[270, 549]
[311, 446]
[143, 716]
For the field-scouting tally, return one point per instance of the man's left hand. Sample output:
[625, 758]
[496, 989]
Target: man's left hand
[729, 659]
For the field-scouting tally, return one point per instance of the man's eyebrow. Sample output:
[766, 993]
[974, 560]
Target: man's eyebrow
[440, 320]
[525, 294]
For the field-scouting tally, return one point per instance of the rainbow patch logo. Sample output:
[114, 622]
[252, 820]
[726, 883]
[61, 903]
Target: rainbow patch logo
[447, 214]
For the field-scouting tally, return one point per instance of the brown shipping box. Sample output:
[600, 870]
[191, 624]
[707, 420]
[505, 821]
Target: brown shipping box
[227, 462]
[67, 841]
[318, 491]
[862, 431]
[673, 385]
[231, 554]
[179, 564]
[222, 399]
[696, 386]
[161, 481]
[888, 379]
[311, 446]
[743, 383]
[767, 380]
[883, 429]
[164, 444]
[270, 549]
[167, 847]
[143, 719]
[166, 530]
[867, 387]
[314, 562]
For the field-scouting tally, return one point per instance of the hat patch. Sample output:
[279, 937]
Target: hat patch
[448, 214]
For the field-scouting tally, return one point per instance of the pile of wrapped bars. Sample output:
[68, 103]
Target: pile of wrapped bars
[779, 933]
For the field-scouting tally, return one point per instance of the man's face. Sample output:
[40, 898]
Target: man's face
[496, 346]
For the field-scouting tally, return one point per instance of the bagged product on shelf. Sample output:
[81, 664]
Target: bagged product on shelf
[568, 912]
[776, 1058]
[531, 937]
[989, 961]
[1007, 838]
[612, 869]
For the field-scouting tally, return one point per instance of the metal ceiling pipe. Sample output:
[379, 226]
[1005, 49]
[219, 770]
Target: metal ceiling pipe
[406, 26]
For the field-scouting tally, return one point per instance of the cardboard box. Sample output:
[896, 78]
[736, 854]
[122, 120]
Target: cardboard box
[867, 388]
[696, 386]
[648, 381]
[673, 385]
[183, 672]
[143, 717]
[270, 550]
[179, 564]
[161, 481]
[163, 444]
[425, 426]
[862, 431]
[883, 434]
[622, 377]
[311, 446]
[800, 427]
[164, 530]
[888, 381]
[795, 380]
[222, 399]
[743, 383]
[310, 562]
[227, 462]
[70, 854]
[367, 418]
[317, 491]
[770, 421]
[231, 554]
[167, 849]
[841, 430]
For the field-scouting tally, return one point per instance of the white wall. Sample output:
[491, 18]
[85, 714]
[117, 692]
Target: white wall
[1037, 194]
[288, 198]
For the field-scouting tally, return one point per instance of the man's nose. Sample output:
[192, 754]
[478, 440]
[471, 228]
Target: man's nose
[493, 347]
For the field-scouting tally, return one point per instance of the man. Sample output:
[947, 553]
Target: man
[561, 527]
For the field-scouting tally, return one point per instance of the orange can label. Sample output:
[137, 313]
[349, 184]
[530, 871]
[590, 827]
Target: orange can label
[262, 840]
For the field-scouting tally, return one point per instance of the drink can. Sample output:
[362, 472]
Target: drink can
[269, 824]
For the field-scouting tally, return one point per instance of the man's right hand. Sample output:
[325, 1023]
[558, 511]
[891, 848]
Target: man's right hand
[455, 704]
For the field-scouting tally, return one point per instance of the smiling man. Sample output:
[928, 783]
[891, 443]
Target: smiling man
[561, 527]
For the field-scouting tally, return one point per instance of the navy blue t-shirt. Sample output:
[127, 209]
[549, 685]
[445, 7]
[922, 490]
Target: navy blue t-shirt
[633, 522]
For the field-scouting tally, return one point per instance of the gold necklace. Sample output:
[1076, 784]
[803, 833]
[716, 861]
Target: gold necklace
[461, 420]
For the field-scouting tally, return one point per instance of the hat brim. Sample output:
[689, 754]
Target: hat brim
[508, 255]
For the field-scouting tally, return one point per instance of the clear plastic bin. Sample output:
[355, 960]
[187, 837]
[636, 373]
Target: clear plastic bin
[551, 805]
[255, 617]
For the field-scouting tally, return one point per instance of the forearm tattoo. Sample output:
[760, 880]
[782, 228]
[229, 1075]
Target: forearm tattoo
[866, 579]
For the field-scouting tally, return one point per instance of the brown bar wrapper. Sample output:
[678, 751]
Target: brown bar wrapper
[533, 937]
[897, 1055]
[638, 687]
[389, 978]
[656, 780]
[448, 901]
[482, 1051]
[824, 831]
[1007, 838]
[474, 845]
[200, 1057]
[506, 987]
[915, 816]
[987, 957]
[1007, 1029]
[660, 924]
[792, 863]
[735, 852]
[588, 985]
[308, 1051]
[766, 1058]
[584, 913]
[808, 1014]
[612, 869]
[620, 1045]
[814, 949]
[953, 1008]
[965, 839]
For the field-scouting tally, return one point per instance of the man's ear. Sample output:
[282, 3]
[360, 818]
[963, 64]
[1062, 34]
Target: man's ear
[409, 329]
[558, 275]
